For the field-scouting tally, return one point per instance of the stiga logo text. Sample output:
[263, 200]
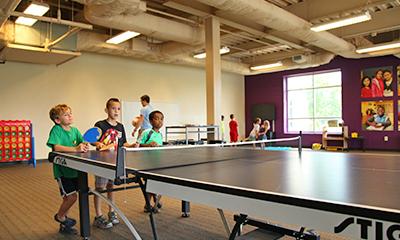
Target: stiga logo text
[391, 233]
[60, 161]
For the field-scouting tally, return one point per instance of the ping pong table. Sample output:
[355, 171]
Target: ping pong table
[353, 195]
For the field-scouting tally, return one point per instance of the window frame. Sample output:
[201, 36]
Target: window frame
[286, 101]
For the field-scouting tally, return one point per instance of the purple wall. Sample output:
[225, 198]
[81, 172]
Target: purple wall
[268, 88]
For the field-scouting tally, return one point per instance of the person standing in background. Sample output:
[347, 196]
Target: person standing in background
[144, 113]
[263, 133]
[233, 129]
[222, 127]
[256, 129]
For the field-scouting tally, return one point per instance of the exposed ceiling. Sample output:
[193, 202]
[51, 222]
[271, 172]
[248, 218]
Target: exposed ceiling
[256, 31]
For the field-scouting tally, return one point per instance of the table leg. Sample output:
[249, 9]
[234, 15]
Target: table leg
[148, 206]
[185, 209]
[84, 204]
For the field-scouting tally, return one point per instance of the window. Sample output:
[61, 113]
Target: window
[311, 100]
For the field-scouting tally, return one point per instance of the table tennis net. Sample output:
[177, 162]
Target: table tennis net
[156, 158]
[285, 143]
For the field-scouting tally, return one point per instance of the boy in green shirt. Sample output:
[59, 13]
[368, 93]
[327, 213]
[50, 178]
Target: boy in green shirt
[65, 138]
[153, 138]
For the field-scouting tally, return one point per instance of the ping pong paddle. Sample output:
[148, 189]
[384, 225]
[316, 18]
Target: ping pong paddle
[92, 135]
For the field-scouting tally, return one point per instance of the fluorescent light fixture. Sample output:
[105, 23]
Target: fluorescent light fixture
[222, 50]
[122, 37]
[342, 22]
[35, 8]
[267, 66]
[379, 47]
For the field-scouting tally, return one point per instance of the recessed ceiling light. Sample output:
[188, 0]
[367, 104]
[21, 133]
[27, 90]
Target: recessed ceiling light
[35, 8]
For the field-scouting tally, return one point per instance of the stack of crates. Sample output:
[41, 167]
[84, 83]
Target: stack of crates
[15, 140]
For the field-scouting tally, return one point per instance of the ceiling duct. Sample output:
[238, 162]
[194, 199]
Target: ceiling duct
[6, 7]
[140, 49]
[130, 15]
[308, 61]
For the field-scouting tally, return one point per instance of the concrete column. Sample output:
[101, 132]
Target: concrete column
[213, 71]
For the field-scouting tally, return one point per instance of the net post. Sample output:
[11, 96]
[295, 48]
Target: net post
[300, 144]
[120, 163]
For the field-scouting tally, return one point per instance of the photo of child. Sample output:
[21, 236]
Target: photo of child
[377, 82]
[366, 91]
[377, 115]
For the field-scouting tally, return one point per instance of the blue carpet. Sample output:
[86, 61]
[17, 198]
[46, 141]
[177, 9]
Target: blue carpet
[277, 148]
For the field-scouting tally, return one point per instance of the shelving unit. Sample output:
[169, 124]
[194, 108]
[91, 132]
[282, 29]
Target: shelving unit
[330, 141]
[187, 129]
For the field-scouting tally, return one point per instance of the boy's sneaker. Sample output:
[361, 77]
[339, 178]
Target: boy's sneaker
[102, 223]
[112, 217]
[155, 210]
[68, 222]
[158, 201]
[145, 209]
[67, 230]
[73, 221]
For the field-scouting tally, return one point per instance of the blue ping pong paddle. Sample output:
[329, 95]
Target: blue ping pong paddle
[92, 135]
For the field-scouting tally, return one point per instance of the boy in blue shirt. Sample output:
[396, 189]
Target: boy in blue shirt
[144, 114]
[153, 138]
[65, 138]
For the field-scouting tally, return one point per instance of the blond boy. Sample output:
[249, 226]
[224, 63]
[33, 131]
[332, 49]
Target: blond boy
[65, 138]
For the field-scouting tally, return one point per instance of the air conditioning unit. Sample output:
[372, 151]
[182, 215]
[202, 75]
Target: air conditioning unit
[299, 59]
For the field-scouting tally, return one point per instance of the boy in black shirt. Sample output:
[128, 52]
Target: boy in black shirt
[113, 136]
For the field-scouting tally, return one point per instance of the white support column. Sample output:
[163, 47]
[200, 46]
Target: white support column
[213, 71]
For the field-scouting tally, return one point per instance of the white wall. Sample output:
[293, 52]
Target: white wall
[28, 91]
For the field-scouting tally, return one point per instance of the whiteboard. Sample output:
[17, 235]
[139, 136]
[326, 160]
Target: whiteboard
[130, 110]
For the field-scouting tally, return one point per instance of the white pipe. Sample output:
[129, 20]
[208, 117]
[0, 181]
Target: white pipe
[62, 37]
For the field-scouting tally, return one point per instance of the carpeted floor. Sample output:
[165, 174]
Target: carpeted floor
[29, 199]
